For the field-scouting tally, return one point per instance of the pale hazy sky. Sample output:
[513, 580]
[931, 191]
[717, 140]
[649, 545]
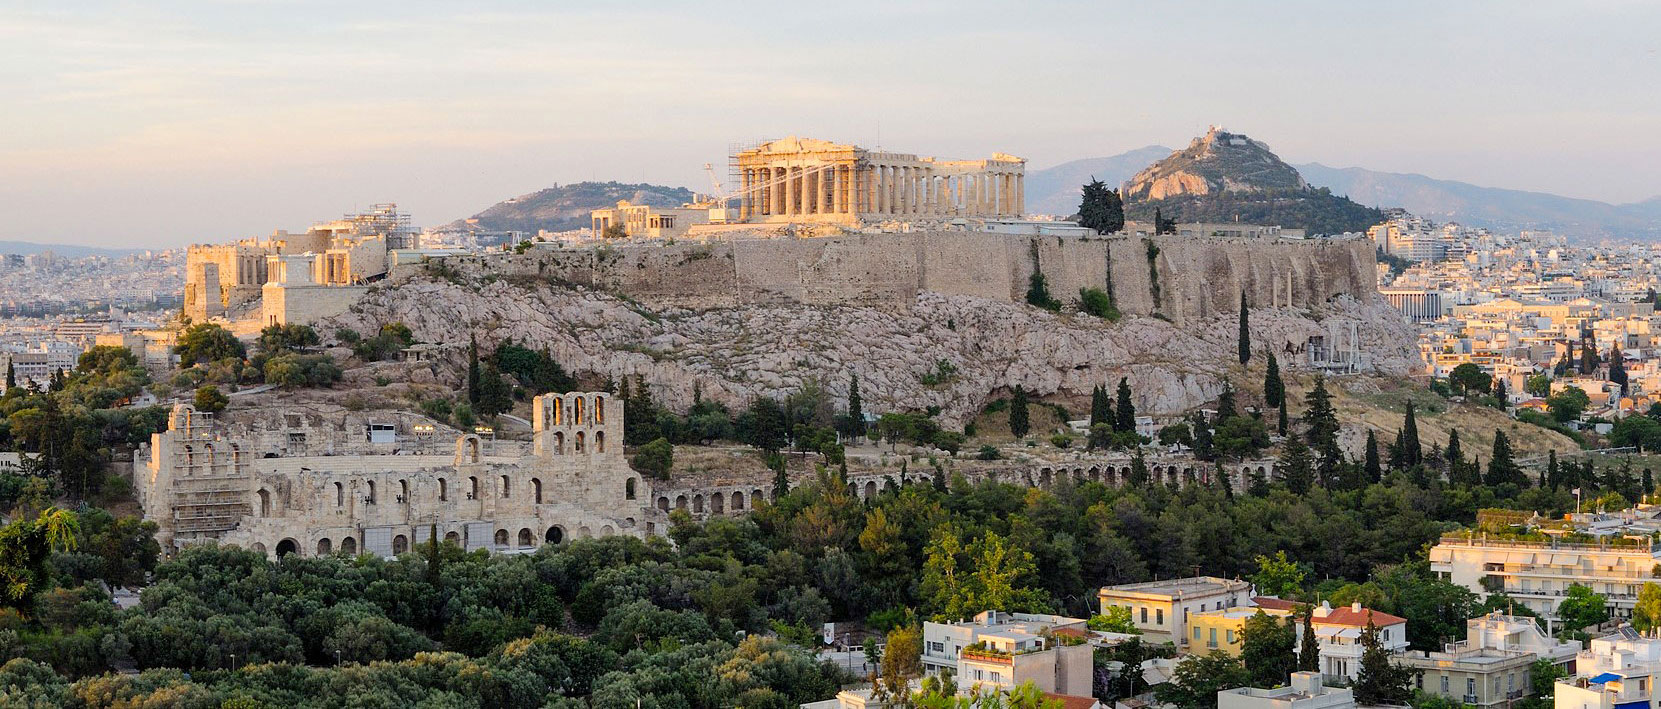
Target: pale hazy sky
[164, 123]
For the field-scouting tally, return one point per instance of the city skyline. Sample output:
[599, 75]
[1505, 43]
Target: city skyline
[169, 124]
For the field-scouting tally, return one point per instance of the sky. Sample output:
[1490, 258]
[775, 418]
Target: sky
[159, 124]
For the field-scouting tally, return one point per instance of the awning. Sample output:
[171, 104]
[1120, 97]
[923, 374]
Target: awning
[1640, 704]
[1605, 677]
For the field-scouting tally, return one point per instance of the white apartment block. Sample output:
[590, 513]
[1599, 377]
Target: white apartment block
[1338, 633]
[1004, 650]
[1539, 573]
[1616, 672]
[1160, 609]
[1305, 692]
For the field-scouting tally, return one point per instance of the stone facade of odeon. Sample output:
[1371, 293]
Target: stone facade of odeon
[312, 486]
[806, 180]
[318, 489]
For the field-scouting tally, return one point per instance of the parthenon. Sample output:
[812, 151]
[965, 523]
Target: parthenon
[806, 180]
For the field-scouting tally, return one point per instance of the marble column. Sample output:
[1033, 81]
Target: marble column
[1020, 194]
[790, 191]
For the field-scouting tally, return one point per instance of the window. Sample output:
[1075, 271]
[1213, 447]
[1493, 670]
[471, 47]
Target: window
[507, 487]
[1144, 615]
[1159, 616]
[1444, 684]
[1212, 641]
[1470, 686]
[1196, 632]
[1230, 636]
[340, 495]
[443, 491]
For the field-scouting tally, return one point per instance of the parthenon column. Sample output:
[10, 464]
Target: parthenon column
[1020, 194]
[790, 191]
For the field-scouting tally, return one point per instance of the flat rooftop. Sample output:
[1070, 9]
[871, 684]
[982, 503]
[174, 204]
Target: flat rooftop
[1179, 588]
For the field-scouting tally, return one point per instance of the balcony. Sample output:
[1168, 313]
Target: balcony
[992, 656]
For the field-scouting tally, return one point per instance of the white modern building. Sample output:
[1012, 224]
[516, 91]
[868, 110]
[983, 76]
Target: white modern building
[1003, 650]
[1305, 692]
[1616, 672]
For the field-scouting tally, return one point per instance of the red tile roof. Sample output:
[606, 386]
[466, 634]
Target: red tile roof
[1275, 604]
[1354, 618]
[1344, 615]
[1069, 701]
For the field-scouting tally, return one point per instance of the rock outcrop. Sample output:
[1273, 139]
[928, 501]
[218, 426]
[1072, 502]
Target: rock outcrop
[1227, 177]
[991, 345]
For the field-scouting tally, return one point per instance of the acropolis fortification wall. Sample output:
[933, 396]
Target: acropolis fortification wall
[1181, 278]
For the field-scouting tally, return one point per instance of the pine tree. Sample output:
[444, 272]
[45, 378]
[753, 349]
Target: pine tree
[1309, 655]
[1274, 390]
[856, 409]
[473, 370]
[1225, 404]
[1124, 411]
[1101, 208]
[1019, 424]
[1371, 465]
[1319, 416]
[1380, 681]
[1245, 332]
[1412, 453]
[1258, 485]
[1295, 468]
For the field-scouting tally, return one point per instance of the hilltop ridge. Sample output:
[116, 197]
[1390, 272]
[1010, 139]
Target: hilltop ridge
[1226, 177]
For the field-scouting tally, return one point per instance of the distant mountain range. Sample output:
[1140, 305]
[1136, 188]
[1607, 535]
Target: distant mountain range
[26, 247]
[1055, 190]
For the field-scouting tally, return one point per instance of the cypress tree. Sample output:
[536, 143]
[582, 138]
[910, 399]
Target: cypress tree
[1398, 459]
[1309, 655]
[1282, 417]
[1245, 332]
[1588, 358]
[1412, 453]
[1501, 467]
[1371, 465]
[1019, 424]
[1228, 487]
[1101, 408]
[1138, 470]
[1649, 482]
[856, 408]
[11, 375]
[1617, 369]
[1456, 458]
[1274, 390]
[1553, 474]
[1125, 411]
[473, 373]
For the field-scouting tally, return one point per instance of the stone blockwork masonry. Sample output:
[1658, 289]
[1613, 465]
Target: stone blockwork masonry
[1180, 278]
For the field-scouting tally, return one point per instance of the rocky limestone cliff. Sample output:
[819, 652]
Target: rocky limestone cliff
[739, 352]
[1215, 162]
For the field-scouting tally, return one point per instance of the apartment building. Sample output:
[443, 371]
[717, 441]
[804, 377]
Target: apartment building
[1338, 633]
[1613, 554]
[1003, 650]
[1305, 692]
[1161, 609]
[1491, 666]
[1615, 672]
